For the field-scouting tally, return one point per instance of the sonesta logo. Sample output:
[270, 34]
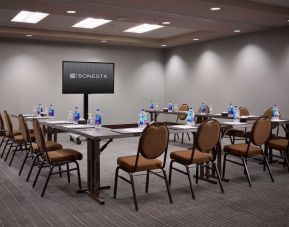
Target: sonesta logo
[87, 76]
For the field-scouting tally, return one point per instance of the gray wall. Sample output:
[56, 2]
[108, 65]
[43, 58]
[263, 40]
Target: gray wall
[31, 73]
[249, 70]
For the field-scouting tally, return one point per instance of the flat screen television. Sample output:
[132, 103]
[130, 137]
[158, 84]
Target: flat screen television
[87, 77]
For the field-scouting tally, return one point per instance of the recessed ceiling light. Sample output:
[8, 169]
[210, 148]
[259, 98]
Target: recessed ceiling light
[29, 17]
[215, 8]
[196, 39]
[103, 41]
[71, 11]
[144, 28]
[237, 30]
[29, 35]
[166, 22]
[90, 23]
[287, 20]
[163, 45]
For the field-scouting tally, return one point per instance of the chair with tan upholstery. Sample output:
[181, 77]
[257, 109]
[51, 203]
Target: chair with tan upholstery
[152, 144]
[274, 125]
[31, 147]
[14, 138]
[259, 136]
[7, 137]
[181, 120]
[280, 144]
[199, 119]
[54, 158]
[236, 133]
[203, 152]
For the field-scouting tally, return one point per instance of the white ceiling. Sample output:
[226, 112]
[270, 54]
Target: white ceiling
[189, 19]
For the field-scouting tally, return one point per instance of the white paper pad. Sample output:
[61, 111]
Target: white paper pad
[78, 126]
[233, 123]
[133, 130]
[278, 120]
[248, 116]
[59, 122]
[183, 126]
[38, 117]
[28, 115]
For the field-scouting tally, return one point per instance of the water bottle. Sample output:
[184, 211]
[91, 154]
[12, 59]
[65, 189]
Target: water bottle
[236, 114]
[203, 108]
[230, 110]
[176, 108]
[141, 122]
[274, 112]
[170, 107]
[277, 113]
[98, 119]
[152, 105]
[89, 119]
[51, 112]
[34, 111]
[157, 106]
[70, 116]
[145, 117]
[76, 116]
[210, 109]
[39, 109]
[189, 118]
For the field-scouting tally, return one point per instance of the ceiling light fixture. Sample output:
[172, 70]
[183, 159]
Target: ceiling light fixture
[71, 11]
[166, 22]
[28, 35]
[237, 30]
[143, 28]
[103, 41]
[90, 23]
[215, 8]
[196, 39]
[164, 45]
[29, 17]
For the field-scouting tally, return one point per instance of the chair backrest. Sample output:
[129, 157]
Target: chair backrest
[2, 127]
[154, 140]
[268, 113]
[183, 107]
[261, 130]
[208, 135]
[199, 120]
[8, 123]
[243, 111]
[39, 137]
[24, 129]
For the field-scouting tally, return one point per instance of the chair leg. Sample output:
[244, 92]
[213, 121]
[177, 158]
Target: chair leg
[189, 176]
[167, 185]
[133, 191]
[188, 136]
[2, 141]
[37, 175]
[24, 161]
[224, 166]
[78, 175]
[286, 160]
[60, 174]
[115, 182]
[170, 172]
[68, 173]
[46, 183]
[14, 152]
[246, 170]
[269, 169]
[147, 181]
[31, 168]
[4, 148]
[8, 152]
[197, 174]
[182, 138]
[218, 176]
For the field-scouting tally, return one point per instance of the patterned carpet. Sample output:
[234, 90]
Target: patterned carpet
[265, 204]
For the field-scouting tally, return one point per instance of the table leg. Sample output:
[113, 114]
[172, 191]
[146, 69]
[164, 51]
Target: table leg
[93, 169]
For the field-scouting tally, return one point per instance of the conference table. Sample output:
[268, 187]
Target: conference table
[94, 138]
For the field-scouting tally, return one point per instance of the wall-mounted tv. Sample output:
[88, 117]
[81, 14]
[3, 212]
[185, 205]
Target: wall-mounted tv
[87, 77]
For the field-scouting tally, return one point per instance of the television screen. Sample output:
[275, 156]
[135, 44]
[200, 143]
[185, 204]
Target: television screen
[87, 77]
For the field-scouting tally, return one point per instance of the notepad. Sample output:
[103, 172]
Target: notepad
[77, 126]
[129, 130]
[183, 126]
